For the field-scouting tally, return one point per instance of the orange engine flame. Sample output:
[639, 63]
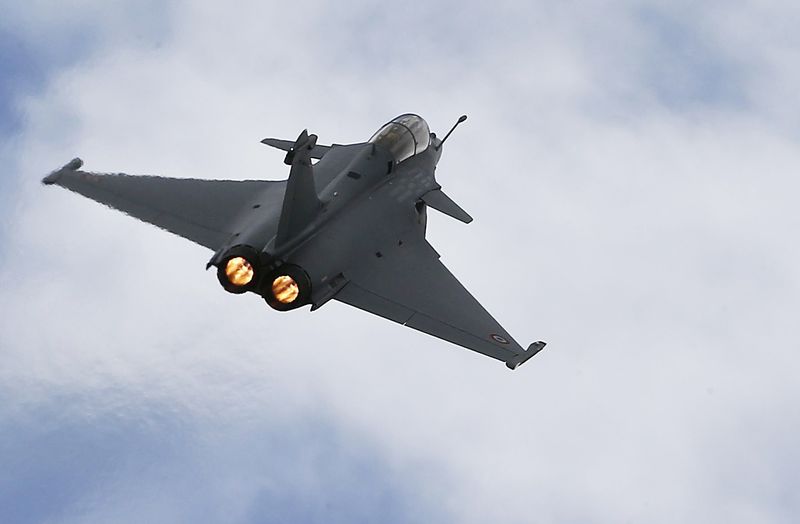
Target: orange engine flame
[239, 271]
[285, 289]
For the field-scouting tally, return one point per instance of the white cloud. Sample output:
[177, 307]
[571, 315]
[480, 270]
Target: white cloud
[651, 245]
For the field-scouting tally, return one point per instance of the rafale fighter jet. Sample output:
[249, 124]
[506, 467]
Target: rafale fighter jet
[350, 227]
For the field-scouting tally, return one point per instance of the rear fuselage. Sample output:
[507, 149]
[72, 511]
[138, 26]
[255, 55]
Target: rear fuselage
[369, 202]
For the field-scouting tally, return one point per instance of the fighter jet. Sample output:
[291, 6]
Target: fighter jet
[350, 227]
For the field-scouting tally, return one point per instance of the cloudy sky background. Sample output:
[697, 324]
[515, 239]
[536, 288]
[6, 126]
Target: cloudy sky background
[632, 168]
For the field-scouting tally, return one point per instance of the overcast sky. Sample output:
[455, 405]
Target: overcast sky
[632, 168]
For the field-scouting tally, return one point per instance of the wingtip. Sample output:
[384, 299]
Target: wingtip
[517, 360]
[73, 165]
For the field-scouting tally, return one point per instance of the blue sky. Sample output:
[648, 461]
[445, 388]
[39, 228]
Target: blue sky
[635, 161]
[37, 43]
[683, 67]
[22, 71]
[61, 461]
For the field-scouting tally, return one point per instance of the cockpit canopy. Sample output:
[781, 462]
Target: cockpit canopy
[404, 136]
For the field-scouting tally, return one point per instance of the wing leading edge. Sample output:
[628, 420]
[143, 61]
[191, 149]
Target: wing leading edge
[409, 285]
[204, 211]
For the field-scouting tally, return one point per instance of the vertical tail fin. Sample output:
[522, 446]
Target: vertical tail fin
[300, 203]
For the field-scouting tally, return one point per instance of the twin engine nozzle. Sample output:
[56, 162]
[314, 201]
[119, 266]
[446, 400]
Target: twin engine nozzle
[283, 286]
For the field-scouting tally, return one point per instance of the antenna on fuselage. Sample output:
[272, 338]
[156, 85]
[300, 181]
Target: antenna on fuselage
[460, 119]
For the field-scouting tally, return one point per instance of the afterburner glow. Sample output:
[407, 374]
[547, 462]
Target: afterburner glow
[285, 289]
[239, 271]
